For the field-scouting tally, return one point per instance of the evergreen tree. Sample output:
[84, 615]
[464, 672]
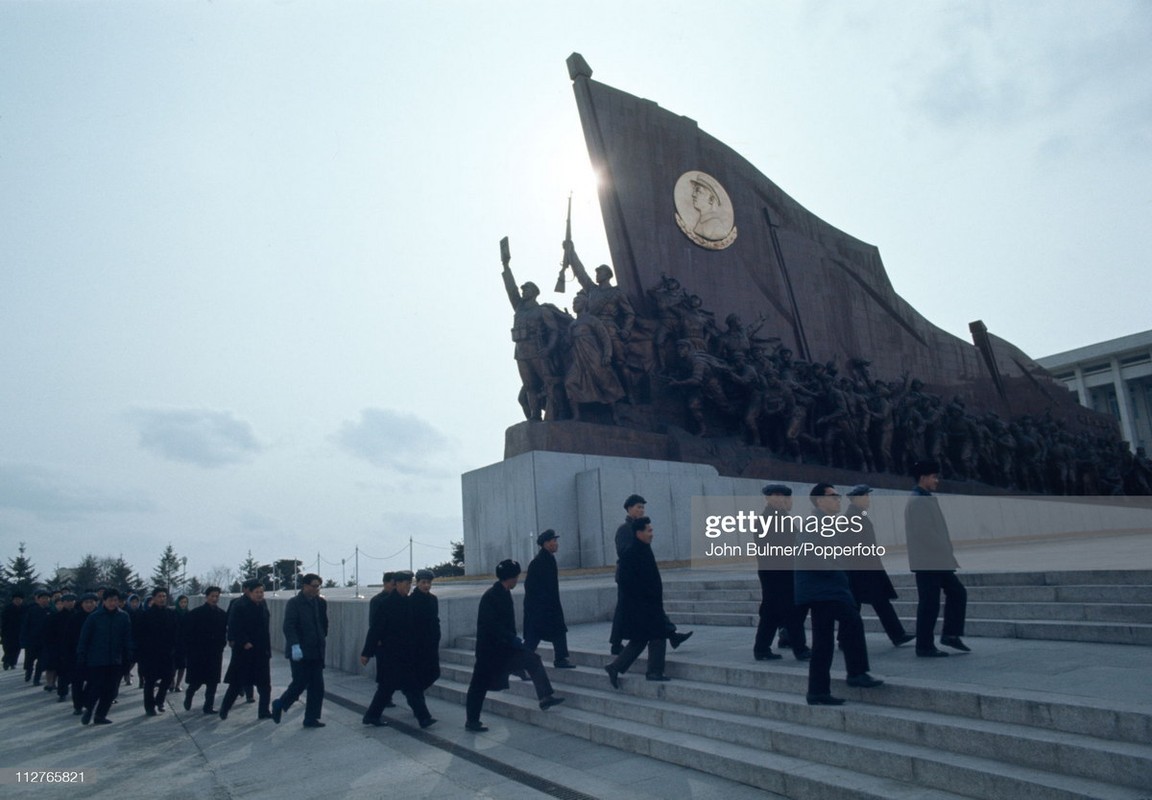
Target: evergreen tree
[167, 572]
[87, 574]
[60, 580]
[20, 575]
[121, 575]
[249, 568]
[194, 586]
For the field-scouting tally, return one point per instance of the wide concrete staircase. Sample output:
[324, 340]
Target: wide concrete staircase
[1104, 606]
[924, 735]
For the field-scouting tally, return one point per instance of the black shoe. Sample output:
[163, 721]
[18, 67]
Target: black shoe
[223, 712]
[209, 710]
[104, 721]
[617, 649]
[903, 639]
[60, 698]
[549, 701]
[314, 723]
[187, 702]
[475, 726]
[678, 639]
[278, 711]
[264, 715]
[613, 676]
[161, 708]
[933, 653]
[864, 681]
[769, 656]
[803, 654]
[955, 643]
[783, 640]
[563, 664]
[249, 699]
[150, 712]
[428, 722]
[376, 722]
[50, 688]
[824, 700]
[656, 676]
[77, 712]
[84, 720]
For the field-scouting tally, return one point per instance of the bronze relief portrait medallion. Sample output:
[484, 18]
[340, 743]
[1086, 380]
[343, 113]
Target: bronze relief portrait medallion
[704, 211]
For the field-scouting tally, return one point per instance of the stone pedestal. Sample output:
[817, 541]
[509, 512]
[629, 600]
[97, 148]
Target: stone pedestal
[581, 497]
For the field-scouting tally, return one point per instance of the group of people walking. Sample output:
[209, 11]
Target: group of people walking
[86, 646]
[834, 596]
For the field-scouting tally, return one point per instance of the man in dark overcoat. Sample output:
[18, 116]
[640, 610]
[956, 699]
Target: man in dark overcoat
[251, 644]
[641, 610]
[543, 614]
[931, 559]
[425, 630]
[11, 620]
[868, 578]
[824, 588]
[305, 638]
[77, 677]
[634, 507]
[60, 660]
[104, 648]
[499, 651]
[778, 609]
[155, 630]
[205, 635]
[32, 636]
[396, 665]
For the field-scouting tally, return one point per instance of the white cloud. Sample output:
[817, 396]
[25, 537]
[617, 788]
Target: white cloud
[196, 436]
[402, 442]
[50, 494]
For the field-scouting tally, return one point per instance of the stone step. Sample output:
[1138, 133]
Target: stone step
[1053, 612]
[915, 745]
[1123, 595]
[791, 777]
[1097, 632]
[1055, 713]
[745, 580]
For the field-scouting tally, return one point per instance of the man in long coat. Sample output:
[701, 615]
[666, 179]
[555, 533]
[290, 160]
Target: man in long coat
[425, 630]
[251, 643]
[931, 559]
[77, 679]
[156, 630]
[205, 635]
[32, 636]
[396, 662]
[305, 639]
[869, 580]
[642, 619]
[778, 609]
[11, 620]
[543, 614]
[499, 651]
[634, 507]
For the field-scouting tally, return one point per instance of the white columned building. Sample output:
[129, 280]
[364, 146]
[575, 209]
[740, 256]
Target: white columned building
[1112, 377]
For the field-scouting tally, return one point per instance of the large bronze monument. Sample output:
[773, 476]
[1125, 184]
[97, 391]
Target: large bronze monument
[737, 339]
[744, 332]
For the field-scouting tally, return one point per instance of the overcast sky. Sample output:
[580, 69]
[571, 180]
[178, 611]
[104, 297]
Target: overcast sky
[251, 292]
